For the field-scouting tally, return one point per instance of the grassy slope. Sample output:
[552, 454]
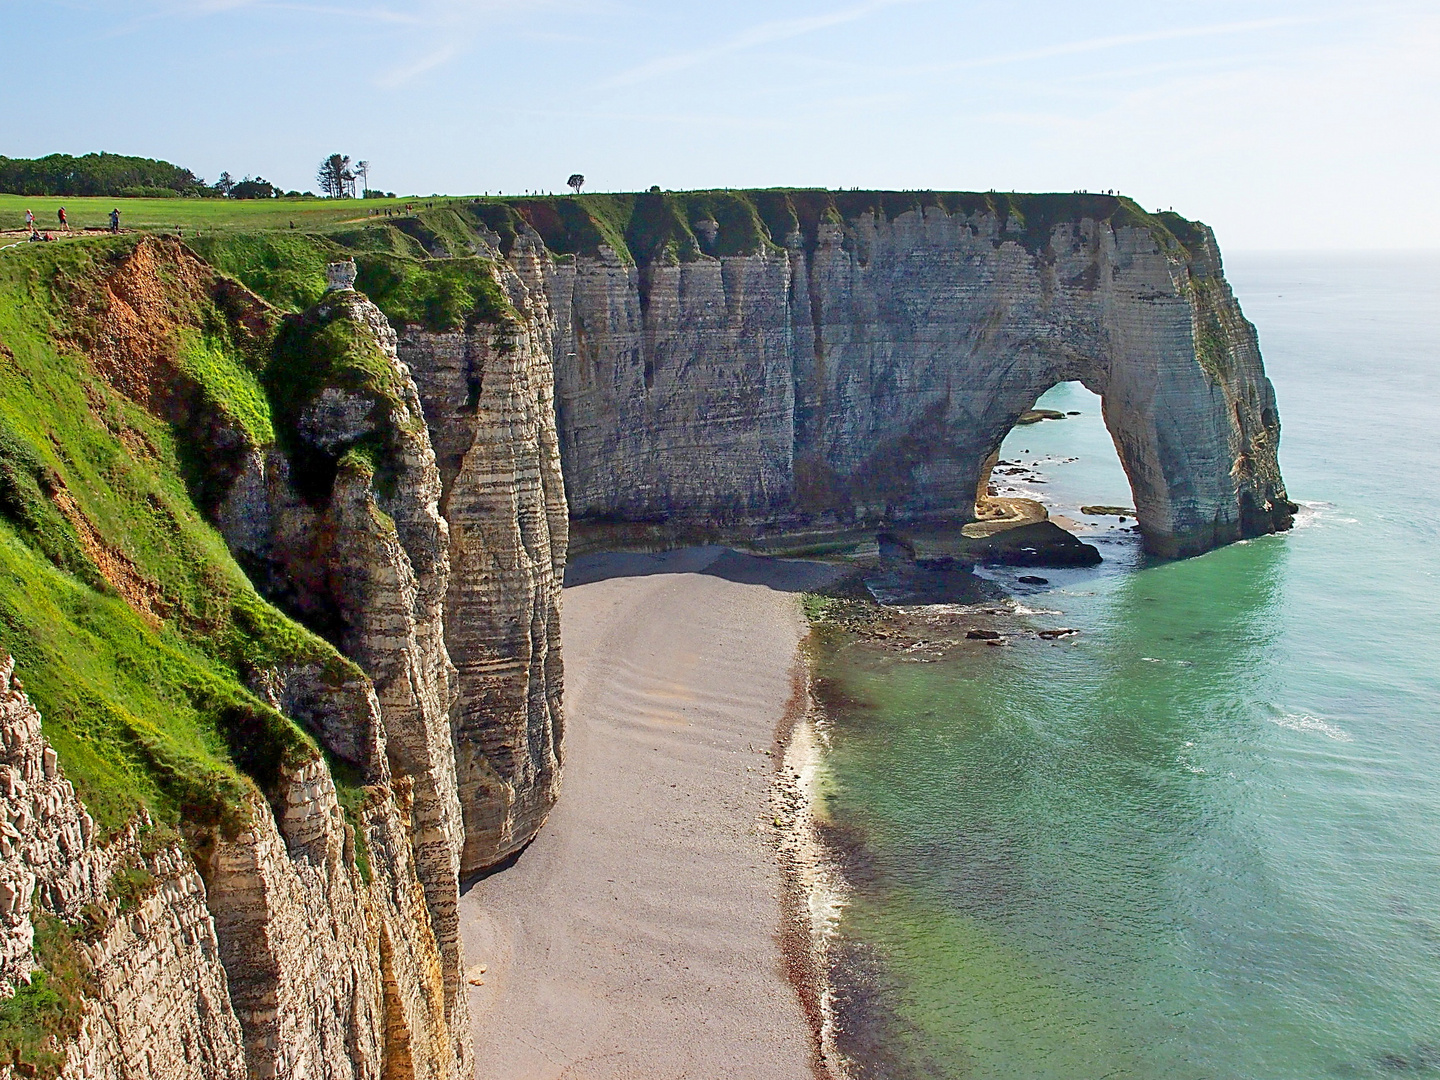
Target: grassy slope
[145, 702]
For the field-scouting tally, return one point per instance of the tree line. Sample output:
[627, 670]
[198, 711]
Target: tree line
[97, 174]
[338, 179]
[123, 176]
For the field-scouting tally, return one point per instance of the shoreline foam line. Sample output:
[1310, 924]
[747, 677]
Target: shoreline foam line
[812, 896]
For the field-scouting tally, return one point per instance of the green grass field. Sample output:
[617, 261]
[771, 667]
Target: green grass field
[201, 214]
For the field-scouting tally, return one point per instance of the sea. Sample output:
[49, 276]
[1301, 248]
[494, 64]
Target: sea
[1201, 838]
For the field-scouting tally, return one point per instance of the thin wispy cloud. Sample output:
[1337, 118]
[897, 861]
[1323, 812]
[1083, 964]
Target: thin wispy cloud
[782, 30]
[460, 22]
[199, 9]
[1116, 41]
[403, 74]
[372, 14]
[766, 33]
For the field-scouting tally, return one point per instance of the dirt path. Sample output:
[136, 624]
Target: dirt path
[637, 936]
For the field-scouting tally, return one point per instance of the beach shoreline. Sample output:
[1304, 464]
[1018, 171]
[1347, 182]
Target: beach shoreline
[813, 887]
[649, 931]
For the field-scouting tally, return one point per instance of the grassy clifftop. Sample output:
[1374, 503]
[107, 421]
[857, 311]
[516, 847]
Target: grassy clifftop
[639, 227]
[688, 225]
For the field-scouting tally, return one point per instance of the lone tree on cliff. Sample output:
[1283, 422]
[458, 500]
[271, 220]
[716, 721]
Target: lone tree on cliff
[335, 178]
[576, 181]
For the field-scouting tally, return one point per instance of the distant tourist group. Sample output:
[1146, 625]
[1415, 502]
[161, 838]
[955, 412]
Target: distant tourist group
[36, 236]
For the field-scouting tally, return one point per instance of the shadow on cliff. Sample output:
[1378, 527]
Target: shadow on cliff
[783, 575]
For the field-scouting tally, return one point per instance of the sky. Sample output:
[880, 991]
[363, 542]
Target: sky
[1283, 124]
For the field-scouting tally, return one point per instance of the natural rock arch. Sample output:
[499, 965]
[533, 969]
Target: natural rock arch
[865, 372]
[1197, 441]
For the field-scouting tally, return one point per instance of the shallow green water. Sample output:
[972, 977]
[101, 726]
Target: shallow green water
[1202, 839]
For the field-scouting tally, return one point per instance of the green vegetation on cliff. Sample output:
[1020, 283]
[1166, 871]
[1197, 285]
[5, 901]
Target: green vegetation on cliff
[132, 627]
[437, 294]
[683, 226]
[288, 270]
[640, 228]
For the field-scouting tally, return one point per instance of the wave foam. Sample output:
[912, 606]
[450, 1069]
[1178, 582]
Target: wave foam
[1306, 722]
[1316, 513]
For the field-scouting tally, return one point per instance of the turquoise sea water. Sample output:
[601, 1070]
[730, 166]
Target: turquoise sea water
[1202, 839]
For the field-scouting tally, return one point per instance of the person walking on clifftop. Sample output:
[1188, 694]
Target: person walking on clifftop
[115, 220]
[64, 221]
[29, 220]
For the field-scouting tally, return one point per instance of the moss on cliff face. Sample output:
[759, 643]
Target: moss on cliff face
[439, 294]
[671, 226]
[286, 268]
[42, 1014]
[331, 350]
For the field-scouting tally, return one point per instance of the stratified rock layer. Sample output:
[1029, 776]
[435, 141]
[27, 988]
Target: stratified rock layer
[488, 394]
[868, 370]
[162, 1008]
[279, 957]
[346, 531]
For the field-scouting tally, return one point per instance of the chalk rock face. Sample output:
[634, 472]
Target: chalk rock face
[346, 532]
[161, 1006]
[418, 520]
[680, 402]
[330, 975]
[868, 371]
[488, 396]
[286, 959]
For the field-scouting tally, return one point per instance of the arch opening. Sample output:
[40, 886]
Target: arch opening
[1059, 461]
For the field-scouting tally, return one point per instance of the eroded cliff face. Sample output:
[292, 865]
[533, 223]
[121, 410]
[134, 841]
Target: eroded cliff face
[343, 527]
[867, 371]
[272, 955]
[150, 958]
[488, 396]
[268, 930]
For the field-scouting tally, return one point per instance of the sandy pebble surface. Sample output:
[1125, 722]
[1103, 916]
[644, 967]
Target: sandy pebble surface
[638, 935]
